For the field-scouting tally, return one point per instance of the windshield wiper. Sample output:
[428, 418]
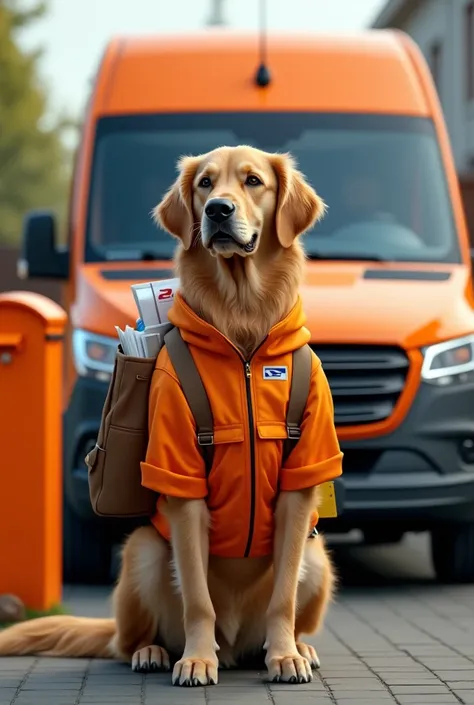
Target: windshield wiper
[137, 256]
[147, 256]
[352, 258]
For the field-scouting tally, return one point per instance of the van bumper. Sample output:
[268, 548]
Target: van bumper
[419, 476]
[417, 503]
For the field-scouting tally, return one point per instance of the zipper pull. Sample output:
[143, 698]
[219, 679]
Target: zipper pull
[247, 369]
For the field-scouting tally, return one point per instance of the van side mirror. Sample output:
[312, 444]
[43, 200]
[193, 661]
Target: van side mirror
[40, 256]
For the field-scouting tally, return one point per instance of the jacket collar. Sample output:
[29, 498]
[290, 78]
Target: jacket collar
[287, 335]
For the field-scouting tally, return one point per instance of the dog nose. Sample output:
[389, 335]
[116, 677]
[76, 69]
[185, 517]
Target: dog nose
[219, 209]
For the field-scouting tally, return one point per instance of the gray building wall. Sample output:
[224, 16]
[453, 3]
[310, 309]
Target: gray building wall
[443, 22]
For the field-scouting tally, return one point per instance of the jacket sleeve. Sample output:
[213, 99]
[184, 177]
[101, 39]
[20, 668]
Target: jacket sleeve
[316, 457]
[173, 465]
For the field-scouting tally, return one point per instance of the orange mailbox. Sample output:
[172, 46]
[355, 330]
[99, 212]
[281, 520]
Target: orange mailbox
[31, 334]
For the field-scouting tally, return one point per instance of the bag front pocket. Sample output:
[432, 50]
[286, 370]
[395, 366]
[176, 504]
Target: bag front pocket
[118, 468]
[129, 404]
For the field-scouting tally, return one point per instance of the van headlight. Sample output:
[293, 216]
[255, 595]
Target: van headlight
[450, 362]
[94, 355]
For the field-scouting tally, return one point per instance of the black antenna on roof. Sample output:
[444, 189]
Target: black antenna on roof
[263, 76]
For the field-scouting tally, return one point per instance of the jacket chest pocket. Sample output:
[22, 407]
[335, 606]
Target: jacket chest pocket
[272, 431]
[233, 433]
[229, 446]
[230, 455]
[271, 438]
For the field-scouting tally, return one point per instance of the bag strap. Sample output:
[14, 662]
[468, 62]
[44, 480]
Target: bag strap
[300, 385]
[194, 391]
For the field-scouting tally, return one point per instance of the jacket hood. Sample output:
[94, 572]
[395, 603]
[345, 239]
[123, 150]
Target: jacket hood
[287, 335]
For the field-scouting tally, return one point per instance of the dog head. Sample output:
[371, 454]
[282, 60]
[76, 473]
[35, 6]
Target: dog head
[237, 200]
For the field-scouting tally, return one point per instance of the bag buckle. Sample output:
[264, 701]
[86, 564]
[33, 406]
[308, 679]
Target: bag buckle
[205, 438]
[294, 432]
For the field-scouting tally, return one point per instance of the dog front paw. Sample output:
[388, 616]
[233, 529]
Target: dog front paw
[309, 653]
[191, 672]
[150, 659]
[289, 669]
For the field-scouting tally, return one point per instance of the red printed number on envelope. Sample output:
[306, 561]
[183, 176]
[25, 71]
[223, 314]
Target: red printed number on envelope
[164, 294]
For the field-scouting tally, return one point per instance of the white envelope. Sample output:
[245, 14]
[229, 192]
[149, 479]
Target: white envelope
[164, 292]
[145, 301]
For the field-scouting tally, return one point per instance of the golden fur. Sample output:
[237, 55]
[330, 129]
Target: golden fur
[242, 277]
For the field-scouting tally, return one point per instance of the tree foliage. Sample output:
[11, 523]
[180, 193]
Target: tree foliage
[33, 160]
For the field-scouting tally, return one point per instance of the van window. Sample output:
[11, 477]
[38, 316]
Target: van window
[381, 177]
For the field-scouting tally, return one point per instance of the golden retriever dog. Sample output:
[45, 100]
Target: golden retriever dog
[243, 278]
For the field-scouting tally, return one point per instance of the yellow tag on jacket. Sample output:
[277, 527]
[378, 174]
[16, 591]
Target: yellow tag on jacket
[249, 400]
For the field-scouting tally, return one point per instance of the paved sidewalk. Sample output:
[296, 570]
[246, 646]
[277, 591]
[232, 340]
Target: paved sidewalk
[393, 636]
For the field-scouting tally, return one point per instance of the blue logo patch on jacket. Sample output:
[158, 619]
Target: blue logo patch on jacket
[277, 372]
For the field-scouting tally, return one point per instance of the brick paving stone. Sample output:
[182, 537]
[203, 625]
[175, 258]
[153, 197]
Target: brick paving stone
[427, 689]
[111, 696]
[299, 697]
[370, 698]
[452, 663]
[315, 687]
[410, 679]
[354, 684]
[52, 696]
[456, 686]
[357, 701]
[423, 699]
[455, 675]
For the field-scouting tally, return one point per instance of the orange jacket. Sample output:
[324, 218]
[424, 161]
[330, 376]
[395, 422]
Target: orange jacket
[249, 414]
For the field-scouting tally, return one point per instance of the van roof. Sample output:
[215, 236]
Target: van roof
[371, 71]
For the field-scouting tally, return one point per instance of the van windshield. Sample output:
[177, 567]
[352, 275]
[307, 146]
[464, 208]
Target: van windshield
[381, 177]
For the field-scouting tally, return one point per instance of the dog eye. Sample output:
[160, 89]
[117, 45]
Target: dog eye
[205, 182]
[252, 180]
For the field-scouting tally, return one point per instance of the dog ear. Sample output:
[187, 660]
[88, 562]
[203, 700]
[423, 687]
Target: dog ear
[298, 205]
[175, 212]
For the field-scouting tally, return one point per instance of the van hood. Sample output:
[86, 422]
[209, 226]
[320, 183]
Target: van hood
[345, 302]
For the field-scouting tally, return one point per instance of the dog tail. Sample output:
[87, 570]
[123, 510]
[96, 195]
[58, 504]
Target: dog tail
[59, 636]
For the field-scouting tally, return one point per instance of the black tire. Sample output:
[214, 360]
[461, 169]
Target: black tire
[87, 552]
[452, 553]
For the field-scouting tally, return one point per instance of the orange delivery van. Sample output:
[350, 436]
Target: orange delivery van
[388, 290]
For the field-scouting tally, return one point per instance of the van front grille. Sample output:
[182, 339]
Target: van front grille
[366, 381]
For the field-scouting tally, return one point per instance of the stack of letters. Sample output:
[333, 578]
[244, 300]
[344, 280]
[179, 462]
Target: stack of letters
[153, 300]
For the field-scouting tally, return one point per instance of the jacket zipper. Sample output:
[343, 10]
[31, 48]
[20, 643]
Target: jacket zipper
[248, 389]
[248, 376]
